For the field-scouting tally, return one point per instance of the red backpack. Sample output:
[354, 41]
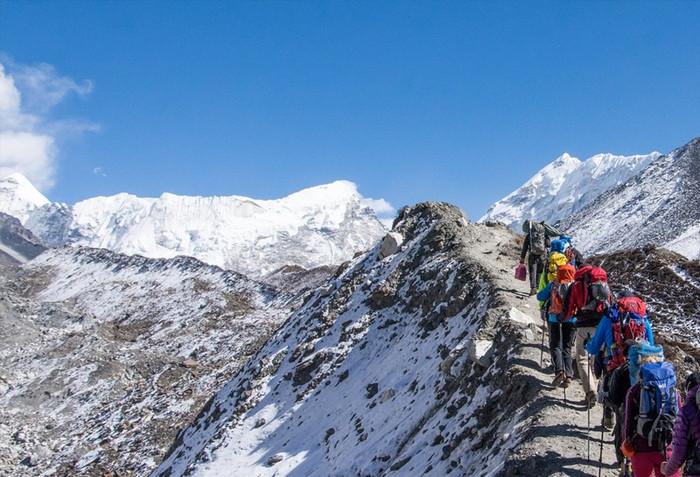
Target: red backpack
[628, 318]
[595, 289]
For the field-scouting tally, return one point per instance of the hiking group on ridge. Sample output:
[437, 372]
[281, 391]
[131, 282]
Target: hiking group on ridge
[616, 358]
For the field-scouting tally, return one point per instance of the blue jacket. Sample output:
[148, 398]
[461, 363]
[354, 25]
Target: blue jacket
[604, 336]
[543, 295]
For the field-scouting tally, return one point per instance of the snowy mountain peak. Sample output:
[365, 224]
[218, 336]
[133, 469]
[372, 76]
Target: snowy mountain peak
[18, 197]
[565, 186]
[659, 205]
[322, 225]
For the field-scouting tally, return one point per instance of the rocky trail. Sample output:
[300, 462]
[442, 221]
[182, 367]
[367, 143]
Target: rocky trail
[555, 440]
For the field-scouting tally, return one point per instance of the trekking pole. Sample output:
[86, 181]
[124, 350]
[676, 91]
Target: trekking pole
[602, 436]
[588, 404]
[544, 330]
[561, 351]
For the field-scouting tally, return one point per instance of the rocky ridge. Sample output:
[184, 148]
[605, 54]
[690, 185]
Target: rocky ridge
[417, 359]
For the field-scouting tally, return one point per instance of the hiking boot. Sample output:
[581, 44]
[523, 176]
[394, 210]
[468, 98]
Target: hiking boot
[533, 291]
[567, 382]
[591, 399]
[559, 378]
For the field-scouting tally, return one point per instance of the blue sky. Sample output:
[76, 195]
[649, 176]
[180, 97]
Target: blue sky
[455, 101]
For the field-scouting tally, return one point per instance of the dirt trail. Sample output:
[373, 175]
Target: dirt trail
[555, 442]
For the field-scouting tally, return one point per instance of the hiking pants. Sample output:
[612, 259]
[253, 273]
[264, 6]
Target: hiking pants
[648, 464]
[588, 379]
[561, 352]
[535, 267]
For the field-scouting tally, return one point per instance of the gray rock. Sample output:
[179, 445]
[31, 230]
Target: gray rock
[390, 244]
[275, 459]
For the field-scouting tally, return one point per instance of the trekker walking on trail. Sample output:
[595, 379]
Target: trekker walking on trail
[651, 405]
[686, 433]
[561, 327]
[535, 248]
[624, 323]
[589, 300]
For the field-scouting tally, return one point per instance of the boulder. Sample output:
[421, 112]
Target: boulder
[478, 351]
[521, 318]
[390, 244]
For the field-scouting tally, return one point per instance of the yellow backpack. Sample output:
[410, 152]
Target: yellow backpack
[555, 261]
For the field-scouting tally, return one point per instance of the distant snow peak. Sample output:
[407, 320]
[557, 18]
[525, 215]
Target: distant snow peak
[317, 226]
[18, 197]
[660, 205]
[565, 186]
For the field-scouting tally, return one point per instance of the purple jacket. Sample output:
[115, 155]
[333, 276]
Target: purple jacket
[686, 433]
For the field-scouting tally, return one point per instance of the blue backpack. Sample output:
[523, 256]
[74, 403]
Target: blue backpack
[658, 403]
[560, 244]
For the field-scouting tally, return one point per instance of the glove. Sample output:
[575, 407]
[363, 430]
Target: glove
[628, 449]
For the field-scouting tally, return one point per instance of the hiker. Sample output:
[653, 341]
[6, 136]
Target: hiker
[588, 302]
[686, 433]
[561, 327]
[623, 323]
[535, 248]
[650, 409]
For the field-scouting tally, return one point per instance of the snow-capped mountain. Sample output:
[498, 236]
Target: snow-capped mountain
[104, 356]
[324, 225]
[564, 187]
[660, 205]
[19, 198]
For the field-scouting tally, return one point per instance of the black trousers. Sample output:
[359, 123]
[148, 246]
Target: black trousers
[535, 267]
[561, 350]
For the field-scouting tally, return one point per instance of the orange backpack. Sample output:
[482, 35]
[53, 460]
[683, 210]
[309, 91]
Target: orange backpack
[560, 289]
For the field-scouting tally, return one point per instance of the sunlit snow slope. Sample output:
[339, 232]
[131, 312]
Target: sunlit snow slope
[19, 198]
[660, 205]
[564, 187]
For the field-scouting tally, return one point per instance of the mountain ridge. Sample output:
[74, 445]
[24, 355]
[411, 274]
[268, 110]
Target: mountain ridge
[318, 226]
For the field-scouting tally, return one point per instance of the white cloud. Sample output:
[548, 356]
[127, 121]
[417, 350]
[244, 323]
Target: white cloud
[31, 154]
[27, 135]
[380, 206]
[98, 171]
[384, 210]
[42, 86]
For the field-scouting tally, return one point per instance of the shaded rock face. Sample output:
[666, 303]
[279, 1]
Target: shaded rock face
[103, 356]
[17, 244]
[372, 375]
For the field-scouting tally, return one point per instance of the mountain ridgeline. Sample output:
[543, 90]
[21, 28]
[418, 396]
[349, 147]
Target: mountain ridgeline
[610, 203]
[319, 226]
